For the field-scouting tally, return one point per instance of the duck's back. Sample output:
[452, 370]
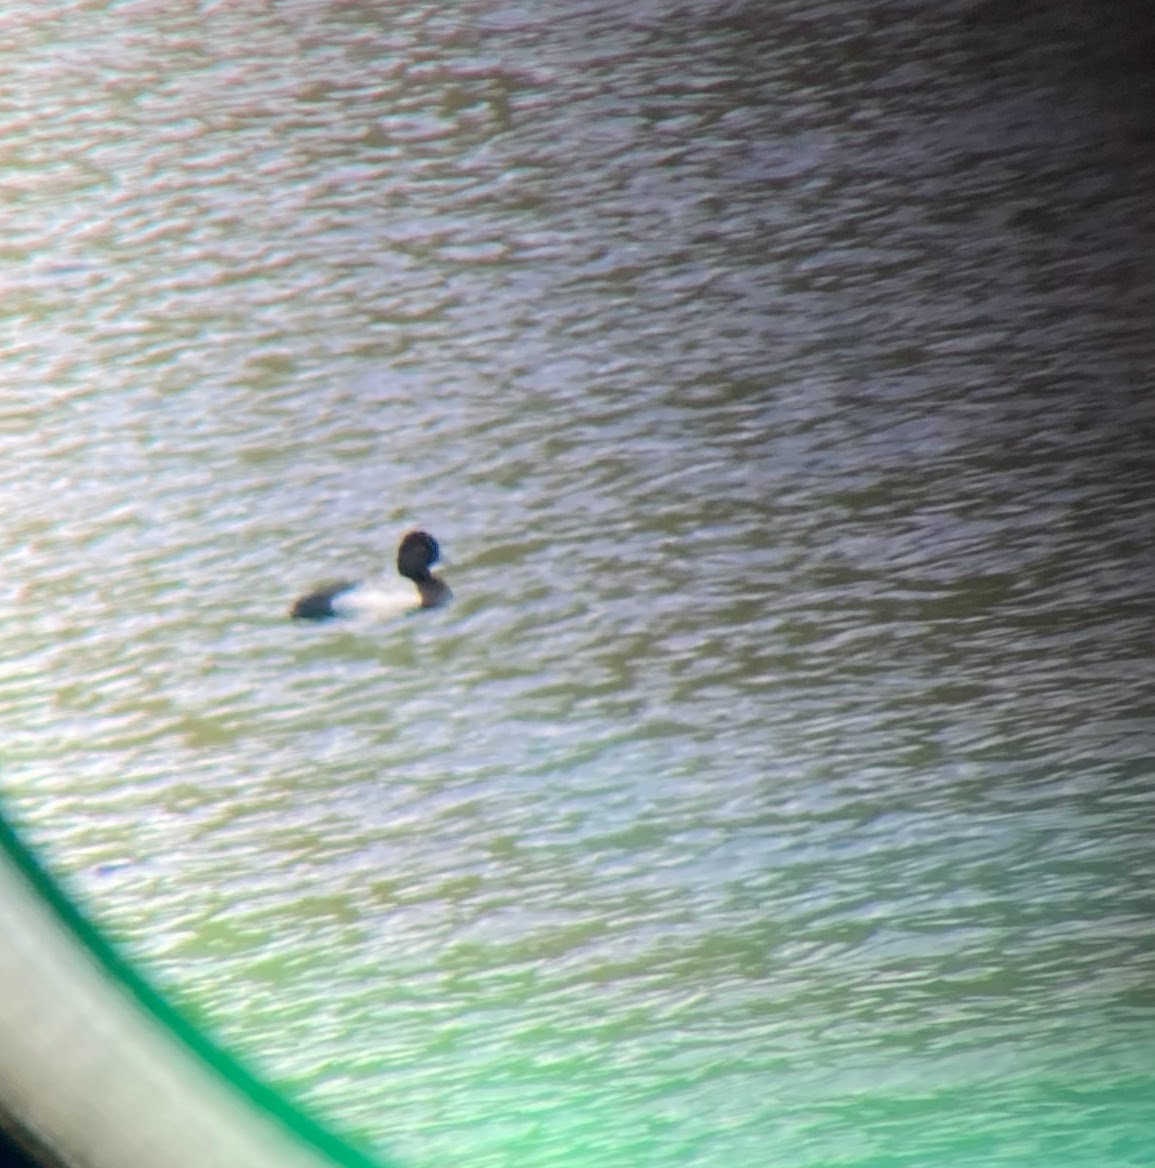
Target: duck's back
[354, 599]
[319, 604]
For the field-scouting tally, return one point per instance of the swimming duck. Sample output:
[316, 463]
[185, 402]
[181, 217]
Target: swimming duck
[416, 554]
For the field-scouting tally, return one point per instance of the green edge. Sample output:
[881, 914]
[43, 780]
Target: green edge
[121, 971]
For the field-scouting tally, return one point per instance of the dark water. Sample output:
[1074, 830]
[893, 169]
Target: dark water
[779, 790]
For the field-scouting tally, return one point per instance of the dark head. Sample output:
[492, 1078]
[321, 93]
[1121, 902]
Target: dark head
[416, 555]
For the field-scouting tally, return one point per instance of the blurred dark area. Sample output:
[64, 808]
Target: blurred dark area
[19, 1148]
[1107, 46]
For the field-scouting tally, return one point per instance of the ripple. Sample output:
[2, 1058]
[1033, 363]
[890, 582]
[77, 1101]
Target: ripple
[779, 776]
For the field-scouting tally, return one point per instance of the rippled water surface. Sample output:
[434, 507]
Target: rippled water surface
[777, 378]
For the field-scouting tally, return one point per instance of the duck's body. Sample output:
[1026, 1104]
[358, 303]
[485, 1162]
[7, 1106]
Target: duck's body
[324, 601]
[417, 553]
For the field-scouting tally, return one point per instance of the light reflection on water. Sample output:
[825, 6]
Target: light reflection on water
[780, 778]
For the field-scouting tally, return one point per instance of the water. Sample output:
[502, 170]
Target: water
[779, 789]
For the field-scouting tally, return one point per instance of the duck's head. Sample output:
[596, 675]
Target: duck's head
[417, 554]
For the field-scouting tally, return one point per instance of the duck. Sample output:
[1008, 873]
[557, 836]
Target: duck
[416, 554]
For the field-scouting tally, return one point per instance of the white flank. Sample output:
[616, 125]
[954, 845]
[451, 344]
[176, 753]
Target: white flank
[376, 602]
